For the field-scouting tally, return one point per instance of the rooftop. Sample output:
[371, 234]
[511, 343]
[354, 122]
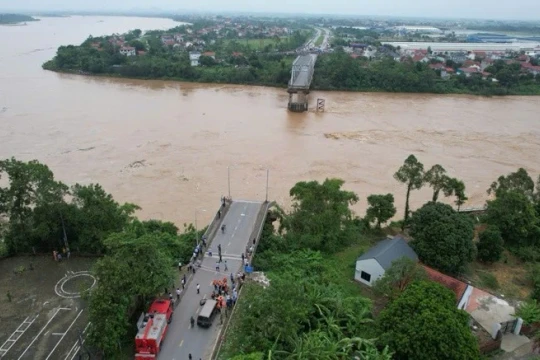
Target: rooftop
[389, 250]
[458, 287]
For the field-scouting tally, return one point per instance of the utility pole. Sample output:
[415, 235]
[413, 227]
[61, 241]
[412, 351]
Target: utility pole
[229, 179]
[64, 230]
[267, 176]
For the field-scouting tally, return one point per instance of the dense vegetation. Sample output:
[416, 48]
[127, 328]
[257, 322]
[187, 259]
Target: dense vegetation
[311, 310]
[15, 18]
[267, 61]
[339, 71]
[240, 62]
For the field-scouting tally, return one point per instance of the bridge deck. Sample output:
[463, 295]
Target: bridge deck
[304, 76]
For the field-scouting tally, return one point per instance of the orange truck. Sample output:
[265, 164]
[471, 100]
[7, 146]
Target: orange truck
[152, 328]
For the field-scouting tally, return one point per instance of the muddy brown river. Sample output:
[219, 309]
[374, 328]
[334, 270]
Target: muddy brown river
[167, 145]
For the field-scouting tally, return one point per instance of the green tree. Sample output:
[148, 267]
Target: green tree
[424, 324]
[457, 188]
[442, 237]
[514, 214]
[381, 208]
[411, 173]
[320, 218]
[398, 277]
[517, 181]
[99, 216]
[490, 245]
[135, 270]
[437, 179]
[30, 185]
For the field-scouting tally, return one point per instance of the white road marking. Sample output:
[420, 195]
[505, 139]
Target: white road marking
[63, 335]
[181, 343]
[76, 344]
[5, 346]
[39, 333]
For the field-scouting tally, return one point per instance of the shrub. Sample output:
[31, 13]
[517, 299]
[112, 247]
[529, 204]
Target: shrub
[490, 247]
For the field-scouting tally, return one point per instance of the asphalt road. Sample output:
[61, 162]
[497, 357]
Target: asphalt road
[182, 340]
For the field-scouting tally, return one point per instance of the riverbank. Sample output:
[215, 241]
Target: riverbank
[318, 84]
[15, 19]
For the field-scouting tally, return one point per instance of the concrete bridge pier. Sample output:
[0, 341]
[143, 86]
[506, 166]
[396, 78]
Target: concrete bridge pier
[298, 101]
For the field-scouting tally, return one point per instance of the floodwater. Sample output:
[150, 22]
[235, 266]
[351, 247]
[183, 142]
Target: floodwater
[166, 146]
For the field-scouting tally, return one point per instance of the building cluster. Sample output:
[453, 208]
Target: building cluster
[470, 62]
[493, 320]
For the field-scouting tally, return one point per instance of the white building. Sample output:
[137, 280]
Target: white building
[194, 58]
[128, 51]
[372, 265]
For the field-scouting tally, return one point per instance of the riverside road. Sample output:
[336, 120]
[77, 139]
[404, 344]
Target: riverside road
[181, 339]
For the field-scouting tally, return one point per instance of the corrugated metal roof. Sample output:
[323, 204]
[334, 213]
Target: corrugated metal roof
[389, 250]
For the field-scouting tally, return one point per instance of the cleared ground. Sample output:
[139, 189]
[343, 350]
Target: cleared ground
[43, 316]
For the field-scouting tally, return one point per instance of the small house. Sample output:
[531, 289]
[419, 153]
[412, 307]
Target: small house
[194, 58]
[372, 265]
[127, 51]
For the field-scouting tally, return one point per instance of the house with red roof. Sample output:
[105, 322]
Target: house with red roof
[461, 290]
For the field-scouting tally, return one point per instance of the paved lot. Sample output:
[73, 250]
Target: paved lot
[46, 315]
[183, 340]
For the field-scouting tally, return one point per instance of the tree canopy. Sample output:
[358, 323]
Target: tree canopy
[135, 270]
[398, 277]
[442, 237]
[381, 209]
[424, 324]
[320, 218]
[514, 214]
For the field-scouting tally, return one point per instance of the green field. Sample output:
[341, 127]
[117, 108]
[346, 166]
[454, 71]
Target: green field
[319, 40]
[259, 43]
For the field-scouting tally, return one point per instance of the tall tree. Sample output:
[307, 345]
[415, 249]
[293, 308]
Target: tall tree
[517, 181]
[443, 238]
[514, 215]
[411, 173]
[437, 179]
[381, 208]
[320, 218]
[99, 216]
[424, 324]
[135, 270]
[30, 185]
[457, 188]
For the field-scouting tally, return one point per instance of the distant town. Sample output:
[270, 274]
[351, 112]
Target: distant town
[258, 50]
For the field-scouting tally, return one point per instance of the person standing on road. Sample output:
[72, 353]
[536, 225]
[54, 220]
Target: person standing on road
[243, 257]
[190, 357]
[184, 278]
[177, 293]
[217, 266]
[225, 264]
[198, 289]
[183, 284]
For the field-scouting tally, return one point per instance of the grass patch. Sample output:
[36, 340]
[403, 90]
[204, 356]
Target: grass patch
[488, 280]
[259, 44]
[511, 275]
[319, 40]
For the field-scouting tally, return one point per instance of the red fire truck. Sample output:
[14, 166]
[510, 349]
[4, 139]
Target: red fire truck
[152, 328]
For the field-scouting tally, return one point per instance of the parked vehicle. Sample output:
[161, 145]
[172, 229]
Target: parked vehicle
[207, 313]
[152, 328]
